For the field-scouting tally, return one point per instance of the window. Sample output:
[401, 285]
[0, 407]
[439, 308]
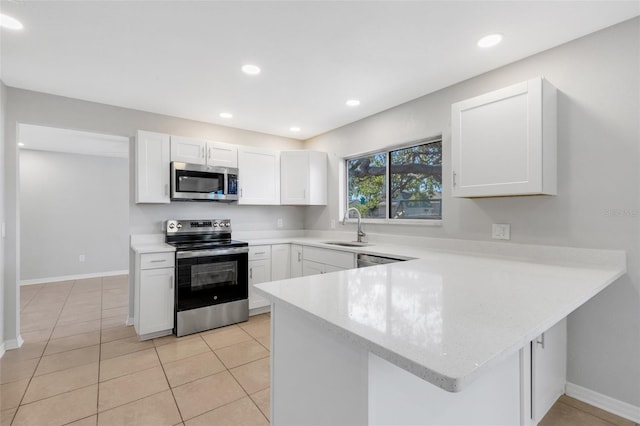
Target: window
[398, 184]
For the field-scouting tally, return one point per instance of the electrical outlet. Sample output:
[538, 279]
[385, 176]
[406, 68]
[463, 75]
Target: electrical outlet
[81, 258]
[280, 223]
[333, 224]
[501, 231]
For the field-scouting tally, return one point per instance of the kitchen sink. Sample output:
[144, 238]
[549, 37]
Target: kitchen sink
[347, 243]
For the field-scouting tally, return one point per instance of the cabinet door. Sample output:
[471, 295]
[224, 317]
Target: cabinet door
[259, 176]
[294, 177]
[504, 142]
[221, 154]
[280, 262]
[296, 260]
[310, 267]
[259, 272]
[303, 177]
[549, 366]
[152, 167]
[156, 300]
[188, 150]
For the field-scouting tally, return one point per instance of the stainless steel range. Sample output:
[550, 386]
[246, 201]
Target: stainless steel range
[212, 283]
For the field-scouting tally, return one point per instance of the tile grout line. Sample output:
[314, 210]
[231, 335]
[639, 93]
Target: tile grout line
[175, 401]
[39, 358]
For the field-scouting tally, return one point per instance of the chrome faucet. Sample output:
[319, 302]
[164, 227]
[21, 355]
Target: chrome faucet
[361, 233]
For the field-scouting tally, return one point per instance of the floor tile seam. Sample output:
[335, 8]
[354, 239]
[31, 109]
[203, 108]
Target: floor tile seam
[128, 374]
[190, 356]
[175, 401]
[260, 343]
[127, 353]
[245, 363]
[260, 409]
[130, 402]
[76, 334]
[587, 413]
[219, 406]
[56, 395]
[59, 393]
[67, 350]
[82, 418]
[227, 346]
[65, 369]
[14, 414]
[240, 384]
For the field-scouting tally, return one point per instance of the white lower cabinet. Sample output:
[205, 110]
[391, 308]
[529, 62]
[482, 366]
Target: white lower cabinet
[321, 261]
[259, 272]
[296, 260]
[280, 262]
[548, 369]
[154, 294]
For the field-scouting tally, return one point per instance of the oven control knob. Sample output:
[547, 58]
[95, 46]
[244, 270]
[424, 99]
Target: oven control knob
[227, 224]
[179, 225]
[215, 224]
[172, 225]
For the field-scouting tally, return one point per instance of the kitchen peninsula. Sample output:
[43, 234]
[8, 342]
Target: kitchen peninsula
[445, 339]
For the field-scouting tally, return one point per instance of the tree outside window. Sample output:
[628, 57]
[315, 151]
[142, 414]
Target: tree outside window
[414, 177]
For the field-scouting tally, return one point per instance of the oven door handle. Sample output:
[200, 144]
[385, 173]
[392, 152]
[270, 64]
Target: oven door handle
[214, 252]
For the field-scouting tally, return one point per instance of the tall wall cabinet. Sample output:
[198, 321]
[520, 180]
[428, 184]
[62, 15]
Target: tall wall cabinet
[303, 178]
[503, 143]
[152, 167]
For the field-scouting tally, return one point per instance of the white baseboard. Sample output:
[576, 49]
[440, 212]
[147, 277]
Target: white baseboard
[73, 277]
[13, 343]
[2, 349]
[620, 408]
[129, 321]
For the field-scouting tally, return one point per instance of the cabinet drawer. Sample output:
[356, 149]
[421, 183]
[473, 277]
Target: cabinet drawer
[341, 259]
[157, 260]
[259, 252]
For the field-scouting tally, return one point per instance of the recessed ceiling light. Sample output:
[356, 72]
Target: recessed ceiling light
[251, 69]
[226, 115]
[490, 40]
[9, 22]
[294, 129]
[352, 102]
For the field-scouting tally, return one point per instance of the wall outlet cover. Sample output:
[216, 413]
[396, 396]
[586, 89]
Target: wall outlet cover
[501, 231]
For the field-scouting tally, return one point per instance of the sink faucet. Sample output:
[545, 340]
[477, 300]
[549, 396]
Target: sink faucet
[361, 233]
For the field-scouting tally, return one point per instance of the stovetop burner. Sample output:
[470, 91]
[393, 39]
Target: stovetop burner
[200, 234]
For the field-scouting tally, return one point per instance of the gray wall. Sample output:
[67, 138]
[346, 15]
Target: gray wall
[598, 203]
[29, 107]
[71, 205]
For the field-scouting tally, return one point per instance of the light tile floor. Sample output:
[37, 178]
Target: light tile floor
[81, 365]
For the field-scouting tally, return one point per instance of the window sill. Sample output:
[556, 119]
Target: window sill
[419, 222]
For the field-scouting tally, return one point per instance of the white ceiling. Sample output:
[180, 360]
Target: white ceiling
[183, 58]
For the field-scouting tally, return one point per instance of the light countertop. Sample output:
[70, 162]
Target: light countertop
[445, 317]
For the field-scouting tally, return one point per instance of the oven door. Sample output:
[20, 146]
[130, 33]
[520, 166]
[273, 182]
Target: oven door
[211, 277]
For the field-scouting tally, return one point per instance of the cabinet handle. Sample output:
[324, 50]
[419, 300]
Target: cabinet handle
[299, 257]
[260, 252]
[540, 341]
[171, 282]
[454, 179]
[158, 261]
[209, 153]
[240, 192]
[251, 273]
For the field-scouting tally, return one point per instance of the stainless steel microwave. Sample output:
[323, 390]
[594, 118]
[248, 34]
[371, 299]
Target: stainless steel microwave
[195, 182]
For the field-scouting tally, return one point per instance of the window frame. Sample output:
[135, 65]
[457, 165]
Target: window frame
[344, 193]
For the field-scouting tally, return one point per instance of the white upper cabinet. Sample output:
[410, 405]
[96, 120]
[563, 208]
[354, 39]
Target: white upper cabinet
[152, 164]
[303, 177]
[200, 151]
[222, 154]
[503, 143]
[259, 176]
[188, 150]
